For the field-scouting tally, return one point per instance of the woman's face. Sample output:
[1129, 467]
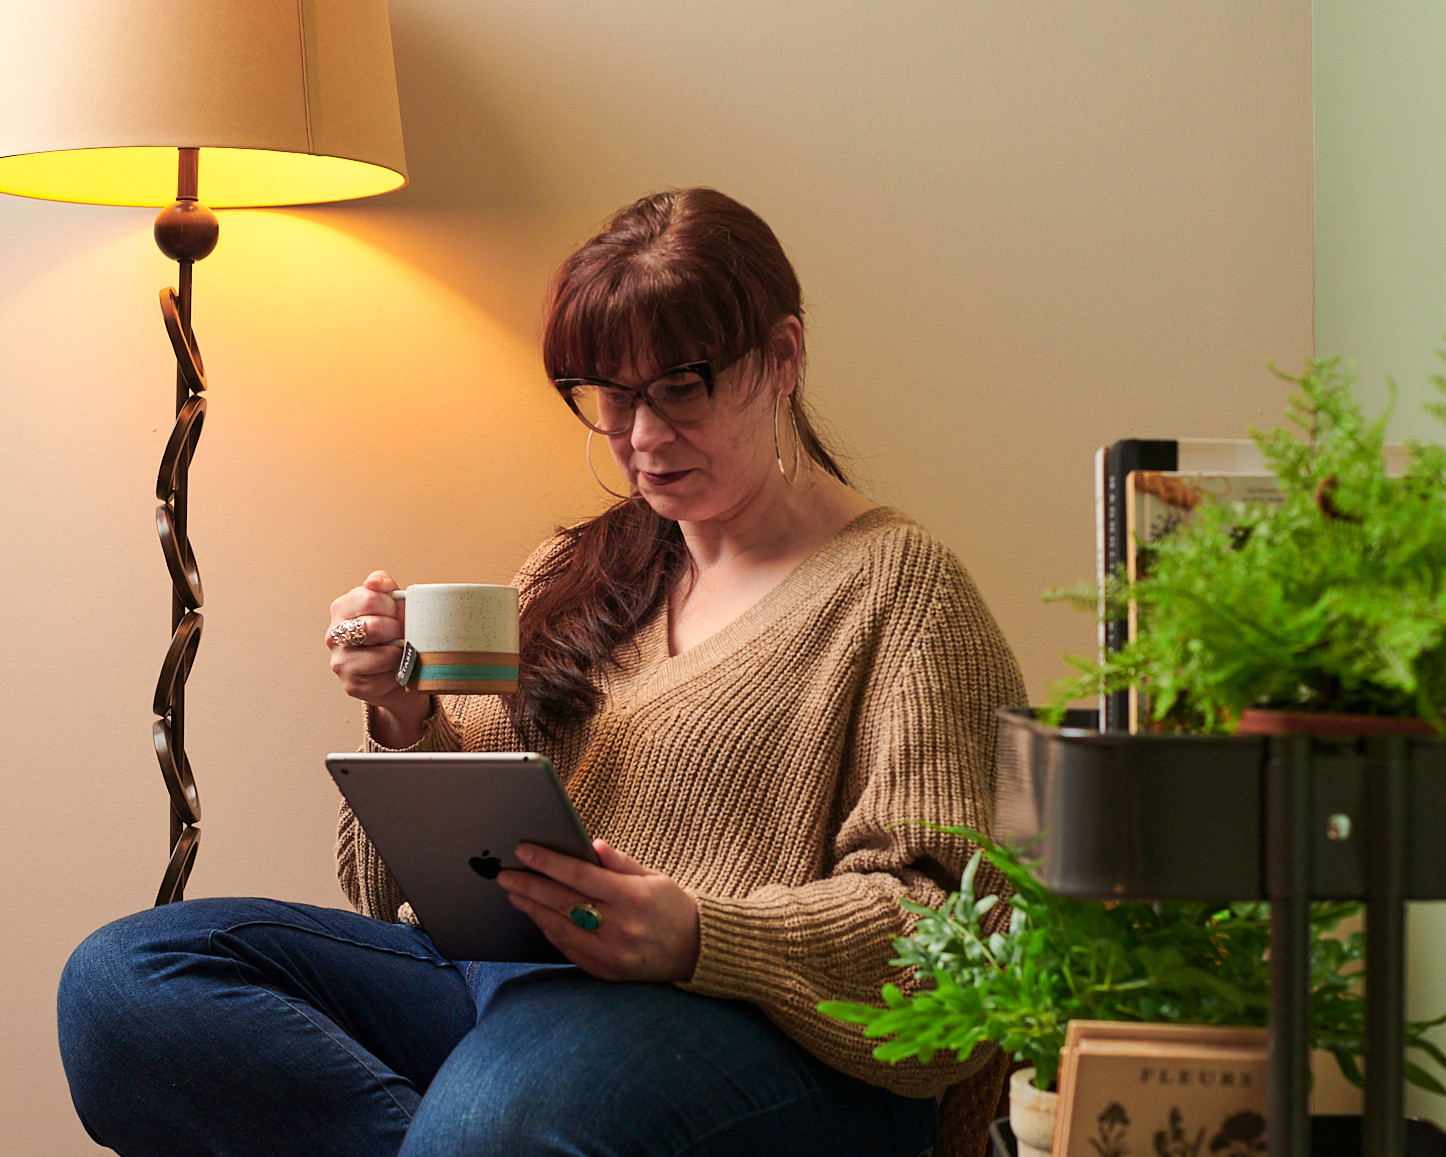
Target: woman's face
[711, 471]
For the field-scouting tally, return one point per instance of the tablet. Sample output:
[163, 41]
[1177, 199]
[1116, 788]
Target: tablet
[445, 823]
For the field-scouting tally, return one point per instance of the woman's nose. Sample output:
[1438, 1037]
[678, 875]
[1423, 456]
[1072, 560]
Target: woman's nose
[649, 430]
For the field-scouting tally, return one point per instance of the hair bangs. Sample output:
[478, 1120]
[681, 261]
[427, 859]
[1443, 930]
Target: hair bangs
[640, 312]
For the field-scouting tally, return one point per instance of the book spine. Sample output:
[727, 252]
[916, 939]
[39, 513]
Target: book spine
[1120, 459]
[1100, 571]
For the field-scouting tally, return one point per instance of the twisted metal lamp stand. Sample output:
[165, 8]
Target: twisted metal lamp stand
[186, 231]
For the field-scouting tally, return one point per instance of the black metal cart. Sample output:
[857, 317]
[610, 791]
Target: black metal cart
[1286, 819]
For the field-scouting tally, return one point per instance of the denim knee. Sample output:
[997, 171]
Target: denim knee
[103, 1018]
[253, 1026]
[98, 983]
[107, 988]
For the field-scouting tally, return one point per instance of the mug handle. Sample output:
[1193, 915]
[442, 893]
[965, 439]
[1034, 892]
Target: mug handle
[409, 653]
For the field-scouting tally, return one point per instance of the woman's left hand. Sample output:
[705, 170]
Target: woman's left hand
[648, 928]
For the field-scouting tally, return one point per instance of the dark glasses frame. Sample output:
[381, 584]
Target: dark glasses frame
[707, 370]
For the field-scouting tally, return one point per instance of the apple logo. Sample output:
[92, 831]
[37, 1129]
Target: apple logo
[486, 865]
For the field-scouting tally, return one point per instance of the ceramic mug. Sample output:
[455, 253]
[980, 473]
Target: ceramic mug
[461, 639]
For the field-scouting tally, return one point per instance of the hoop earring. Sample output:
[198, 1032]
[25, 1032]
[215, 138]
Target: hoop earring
[587, 453]
[797, 442]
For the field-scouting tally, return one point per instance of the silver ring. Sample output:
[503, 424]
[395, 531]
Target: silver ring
[350, 633]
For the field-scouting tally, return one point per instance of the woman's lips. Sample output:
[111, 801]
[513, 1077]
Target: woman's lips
[664, 479]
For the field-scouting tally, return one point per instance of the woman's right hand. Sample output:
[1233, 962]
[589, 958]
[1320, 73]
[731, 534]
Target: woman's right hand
[368, 670]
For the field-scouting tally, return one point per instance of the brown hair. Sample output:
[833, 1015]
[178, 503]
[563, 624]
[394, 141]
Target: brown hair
[680, 276]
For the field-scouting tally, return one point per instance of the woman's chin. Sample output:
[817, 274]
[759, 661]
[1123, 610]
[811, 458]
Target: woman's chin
[666, 505]
[674, 504]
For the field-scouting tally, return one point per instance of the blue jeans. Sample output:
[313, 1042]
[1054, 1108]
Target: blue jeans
[233, 1027]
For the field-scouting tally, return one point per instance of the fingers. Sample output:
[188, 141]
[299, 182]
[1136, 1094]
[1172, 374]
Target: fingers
[616, 950]
[578, 875]
[380, 630]
[555, 879]
[372, 658]
[366, 628]
[361, 662]
[649, 928]
[550, 905]
[585, 949]
[369, 673]
[360, 603]
[616, 861]
[371, 605]
[543, 892]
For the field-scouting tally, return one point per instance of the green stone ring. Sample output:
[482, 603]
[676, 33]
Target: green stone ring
[586, 917]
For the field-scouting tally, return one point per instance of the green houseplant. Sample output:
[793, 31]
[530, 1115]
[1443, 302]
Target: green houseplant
[1332, 602]
[1061, 959]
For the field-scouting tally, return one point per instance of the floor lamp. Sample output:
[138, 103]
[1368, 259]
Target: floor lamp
[131, 102]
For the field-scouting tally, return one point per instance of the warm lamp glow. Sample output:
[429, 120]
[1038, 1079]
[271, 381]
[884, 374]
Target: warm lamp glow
[230, 177]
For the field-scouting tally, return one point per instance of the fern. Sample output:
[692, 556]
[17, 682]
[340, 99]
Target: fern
[1334, 601]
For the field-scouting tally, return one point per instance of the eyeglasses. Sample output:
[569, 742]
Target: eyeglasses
[681, 396]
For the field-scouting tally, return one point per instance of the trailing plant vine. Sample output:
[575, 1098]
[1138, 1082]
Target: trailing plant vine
[1062, 959]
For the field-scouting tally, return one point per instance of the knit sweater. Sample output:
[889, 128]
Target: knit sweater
[775, 772]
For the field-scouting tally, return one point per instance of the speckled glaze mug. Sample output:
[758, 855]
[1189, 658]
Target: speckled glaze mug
[461, 639]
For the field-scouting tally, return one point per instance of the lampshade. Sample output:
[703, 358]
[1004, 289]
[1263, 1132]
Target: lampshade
[291, 101]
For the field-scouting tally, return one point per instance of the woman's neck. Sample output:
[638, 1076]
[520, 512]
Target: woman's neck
[739, 560]
[778, 524]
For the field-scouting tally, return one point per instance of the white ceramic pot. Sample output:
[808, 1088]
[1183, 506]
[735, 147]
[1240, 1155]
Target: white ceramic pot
[1031, 1114]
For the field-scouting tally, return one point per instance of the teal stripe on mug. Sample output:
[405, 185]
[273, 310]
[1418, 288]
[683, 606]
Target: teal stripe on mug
[459, 671]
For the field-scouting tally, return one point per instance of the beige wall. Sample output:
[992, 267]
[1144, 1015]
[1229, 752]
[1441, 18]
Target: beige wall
[1023, 229]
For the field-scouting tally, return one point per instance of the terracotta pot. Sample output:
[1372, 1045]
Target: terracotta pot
[1031, 1114]
[1268, 721]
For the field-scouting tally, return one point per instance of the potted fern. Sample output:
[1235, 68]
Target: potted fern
[1330, 604]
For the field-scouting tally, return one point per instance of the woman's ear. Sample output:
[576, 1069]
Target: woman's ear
[786, 345]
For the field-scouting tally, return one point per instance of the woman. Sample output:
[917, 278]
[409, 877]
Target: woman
[749, 677]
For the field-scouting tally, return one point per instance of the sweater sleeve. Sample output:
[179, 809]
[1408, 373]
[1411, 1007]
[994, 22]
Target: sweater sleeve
[921, 749]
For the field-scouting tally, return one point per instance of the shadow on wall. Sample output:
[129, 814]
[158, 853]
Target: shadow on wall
[459, 152]
[473, 214]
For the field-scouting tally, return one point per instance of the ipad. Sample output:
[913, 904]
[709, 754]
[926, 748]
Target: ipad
[446, 823]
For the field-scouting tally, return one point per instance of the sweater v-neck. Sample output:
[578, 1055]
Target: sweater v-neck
[657, 670]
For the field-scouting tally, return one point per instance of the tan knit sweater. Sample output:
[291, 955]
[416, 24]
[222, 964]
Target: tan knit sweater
[773, 769]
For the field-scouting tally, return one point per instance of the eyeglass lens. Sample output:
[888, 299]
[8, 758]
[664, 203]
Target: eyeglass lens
[680, 397]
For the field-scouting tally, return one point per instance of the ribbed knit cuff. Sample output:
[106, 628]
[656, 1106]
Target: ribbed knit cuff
[733, 948]
[437, 732]
[748, 946]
